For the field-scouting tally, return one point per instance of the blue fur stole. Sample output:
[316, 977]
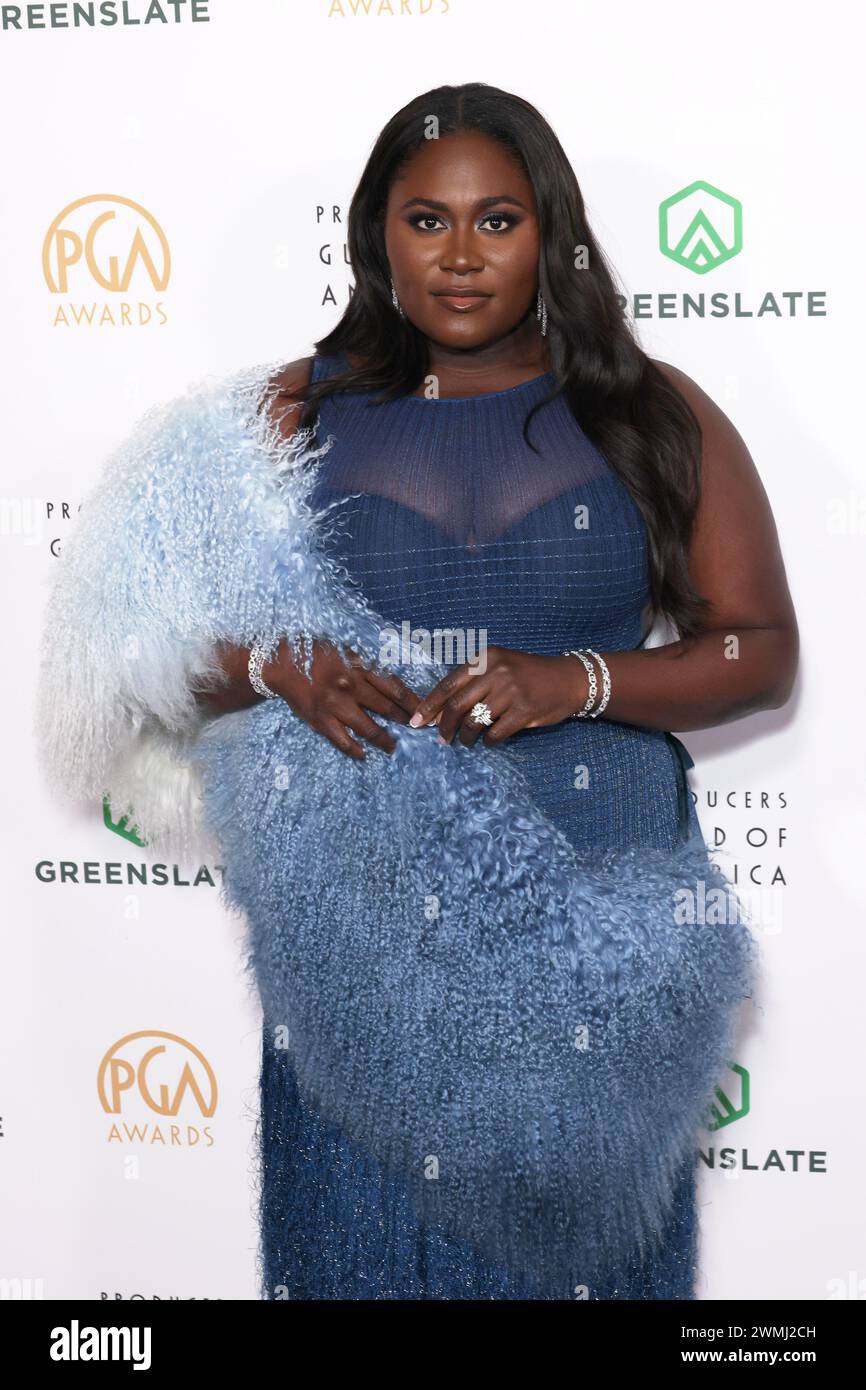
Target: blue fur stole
[528, 1032]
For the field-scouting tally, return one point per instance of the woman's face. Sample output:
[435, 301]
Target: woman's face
[461, 215]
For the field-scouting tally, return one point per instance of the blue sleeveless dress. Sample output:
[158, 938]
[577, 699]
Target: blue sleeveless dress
[445, 518]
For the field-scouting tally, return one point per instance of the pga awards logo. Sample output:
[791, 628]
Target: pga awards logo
[107, 260]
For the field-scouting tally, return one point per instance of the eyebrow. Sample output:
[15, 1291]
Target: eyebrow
[443, 207]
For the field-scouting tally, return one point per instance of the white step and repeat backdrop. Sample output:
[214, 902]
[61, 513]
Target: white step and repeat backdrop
[176, 179]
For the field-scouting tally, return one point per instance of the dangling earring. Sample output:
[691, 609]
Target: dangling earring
[395, 301]
[540, 313]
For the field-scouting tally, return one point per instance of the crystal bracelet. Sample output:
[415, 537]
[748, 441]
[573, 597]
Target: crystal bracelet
[254, 667]
[605, 677]
[593, 683]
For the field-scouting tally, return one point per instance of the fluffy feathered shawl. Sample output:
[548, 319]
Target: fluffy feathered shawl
[529, 1032]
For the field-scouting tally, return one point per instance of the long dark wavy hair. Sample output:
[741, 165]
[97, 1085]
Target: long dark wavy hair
[621, 400]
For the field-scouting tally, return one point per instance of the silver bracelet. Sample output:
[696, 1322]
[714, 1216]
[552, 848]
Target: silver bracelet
[593, 684]
[258, 657]
[605, 678]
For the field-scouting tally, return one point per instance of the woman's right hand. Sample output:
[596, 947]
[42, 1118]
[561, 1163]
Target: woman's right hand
[336, 697]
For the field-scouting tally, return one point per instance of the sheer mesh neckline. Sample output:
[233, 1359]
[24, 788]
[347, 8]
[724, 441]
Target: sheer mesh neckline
[470, 474]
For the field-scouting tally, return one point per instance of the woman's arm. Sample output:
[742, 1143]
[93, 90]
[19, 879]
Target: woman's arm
[746, 659]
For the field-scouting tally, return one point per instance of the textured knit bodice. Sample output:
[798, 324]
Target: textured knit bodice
[448, 520]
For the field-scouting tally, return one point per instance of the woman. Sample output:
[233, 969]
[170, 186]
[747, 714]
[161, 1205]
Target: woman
[502, 462]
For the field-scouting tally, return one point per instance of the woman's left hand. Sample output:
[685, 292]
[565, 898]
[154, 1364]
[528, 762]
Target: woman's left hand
[522, 691]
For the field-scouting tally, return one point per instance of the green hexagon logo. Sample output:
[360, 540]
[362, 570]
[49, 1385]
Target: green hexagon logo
[723, 1111]
[700, 227]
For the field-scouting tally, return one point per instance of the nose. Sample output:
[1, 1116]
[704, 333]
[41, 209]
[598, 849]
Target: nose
[460, 251]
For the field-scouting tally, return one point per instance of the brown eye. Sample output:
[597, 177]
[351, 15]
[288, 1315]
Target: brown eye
[424, 217]
[502, 218]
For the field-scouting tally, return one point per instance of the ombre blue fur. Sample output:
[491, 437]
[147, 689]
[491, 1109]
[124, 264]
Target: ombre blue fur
[527, 1033]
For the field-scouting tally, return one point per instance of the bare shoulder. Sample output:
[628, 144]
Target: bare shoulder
[722, 441]
[735, 557]
[718, 429]
[294, 376]
[282, 394]
[729, 476]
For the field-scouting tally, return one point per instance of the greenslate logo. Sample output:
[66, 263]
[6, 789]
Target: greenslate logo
[120, 825]
[723, 1111]
[700, 227]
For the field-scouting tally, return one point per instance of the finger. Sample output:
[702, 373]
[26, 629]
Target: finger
[402, 700]
[469, 730]
[456, 709]
[332, 729]
[401, 695]
[510, 722]
[370, 699]
[360, 722]
[352, 714]
[434, 702]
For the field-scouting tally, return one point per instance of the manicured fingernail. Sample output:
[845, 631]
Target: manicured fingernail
[416, 720]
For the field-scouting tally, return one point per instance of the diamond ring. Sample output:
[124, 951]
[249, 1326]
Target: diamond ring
[481, 713]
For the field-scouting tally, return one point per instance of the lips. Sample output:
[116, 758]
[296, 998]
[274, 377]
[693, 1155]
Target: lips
[461, 300]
